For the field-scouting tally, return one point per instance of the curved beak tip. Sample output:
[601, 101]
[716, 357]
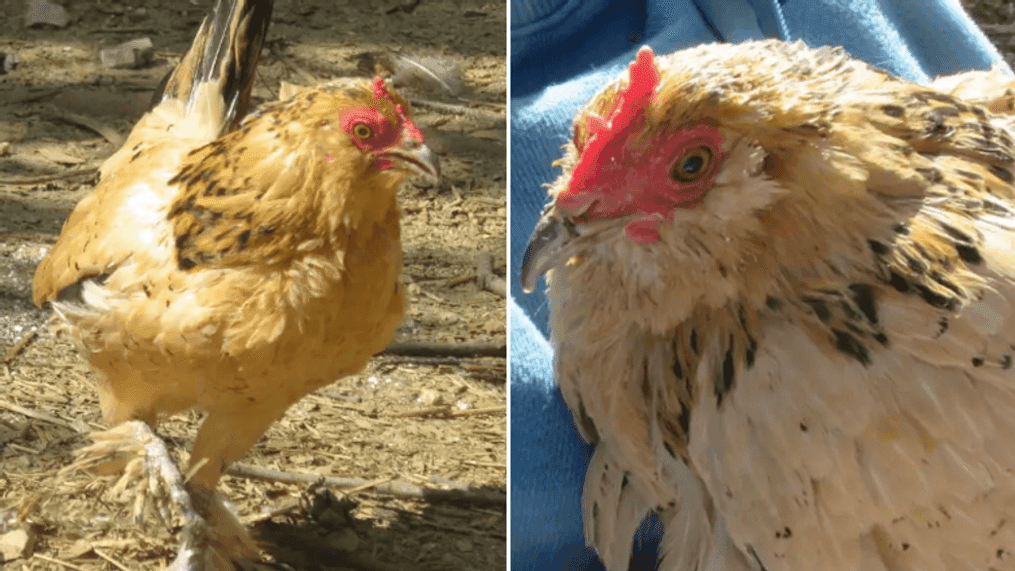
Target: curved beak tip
[417, 159]
[431, 164]
[547, 246]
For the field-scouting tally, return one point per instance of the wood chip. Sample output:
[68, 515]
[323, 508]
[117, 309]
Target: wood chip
[17, 544]
[129, 55]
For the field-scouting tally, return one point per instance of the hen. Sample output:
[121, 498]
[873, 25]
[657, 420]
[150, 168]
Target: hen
[781, 286]
[233, 270]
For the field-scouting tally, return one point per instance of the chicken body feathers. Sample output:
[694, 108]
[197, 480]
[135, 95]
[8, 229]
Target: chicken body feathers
[236, 272]
[825, 341]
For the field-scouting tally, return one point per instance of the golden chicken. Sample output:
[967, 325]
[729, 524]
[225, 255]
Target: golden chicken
[781, 286]
[233, 268]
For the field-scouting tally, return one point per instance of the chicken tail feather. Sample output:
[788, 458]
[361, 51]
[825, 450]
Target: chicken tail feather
[221, 62]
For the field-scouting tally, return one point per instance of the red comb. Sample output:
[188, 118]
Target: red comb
[605, 141]
[381, 92]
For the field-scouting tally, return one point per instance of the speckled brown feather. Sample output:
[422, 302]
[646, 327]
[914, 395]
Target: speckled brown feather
[824, 341]
[233, 273]
[241, 197]
[204, 94]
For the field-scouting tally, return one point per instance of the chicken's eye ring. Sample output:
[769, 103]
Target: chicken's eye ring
[362, 131]
[691, 165]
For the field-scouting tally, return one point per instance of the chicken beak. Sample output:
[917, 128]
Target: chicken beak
[547, 247]
[412, 155]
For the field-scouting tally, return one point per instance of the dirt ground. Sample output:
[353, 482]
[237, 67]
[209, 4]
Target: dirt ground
[404, 423]
[997, 19]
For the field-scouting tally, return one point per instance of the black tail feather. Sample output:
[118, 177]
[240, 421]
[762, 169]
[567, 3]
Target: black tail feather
[226, 50]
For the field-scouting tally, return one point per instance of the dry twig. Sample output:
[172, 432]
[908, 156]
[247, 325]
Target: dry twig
[445, 410]
[397, 488]
[45, 417]
[413, 349]
[58, 562]
[15, 351]
[108, 133]
[486, 278]
[453, 109]
[86, 171]
[107, 557]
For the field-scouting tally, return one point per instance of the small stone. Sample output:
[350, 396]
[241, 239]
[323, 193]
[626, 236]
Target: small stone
[8, 62]
[42, 12]
[16, 544]
[129, 55]
[430, 397]
[344, 540]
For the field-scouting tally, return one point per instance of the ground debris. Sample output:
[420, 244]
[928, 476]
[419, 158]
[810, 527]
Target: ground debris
[44, 12]
[129, 55]
[17, 543]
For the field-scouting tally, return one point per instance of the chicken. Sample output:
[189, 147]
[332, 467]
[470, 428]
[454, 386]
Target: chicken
[781, 286]
[233, 268]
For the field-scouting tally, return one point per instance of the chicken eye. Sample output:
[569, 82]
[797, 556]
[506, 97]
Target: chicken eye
[362, 131]
[691, 165]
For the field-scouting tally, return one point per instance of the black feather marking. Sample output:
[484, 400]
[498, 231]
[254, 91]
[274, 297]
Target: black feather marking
[898, 282]
[863, 297]
[901, 228]
[941, 279]
[932, 175]
[754, 554]
[819, 307]
[724, 381]
[586, 422]
[969, 254]
[694, 341]
[848, 311]
[935, 299]
[955, 233]
[1006, 362]
[946, 111]
[977, 361]
[1001, 173]
[936, 125]
[996, 208]
[881, 338]
[915, 264]
[752, 348]
[685, 421]
[878, 248]
[893, 110]
[851, 346]
[669, 449]
[678, 370]
[773, 303]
